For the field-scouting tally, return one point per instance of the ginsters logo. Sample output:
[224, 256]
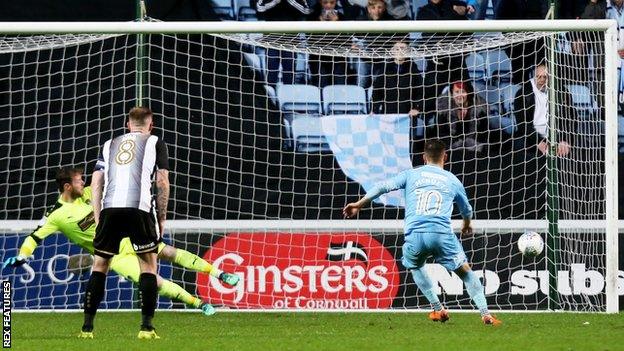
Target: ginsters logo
[302, 271]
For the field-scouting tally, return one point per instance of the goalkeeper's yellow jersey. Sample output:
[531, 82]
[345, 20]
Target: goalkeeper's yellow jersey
[74, 219]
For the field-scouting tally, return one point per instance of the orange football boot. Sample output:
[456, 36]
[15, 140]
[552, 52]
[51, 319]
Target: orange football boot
[439, 316]
[488, 319]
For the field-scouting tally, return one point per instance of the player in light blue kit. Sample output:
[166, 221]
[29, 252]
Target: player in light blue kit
[429, 195]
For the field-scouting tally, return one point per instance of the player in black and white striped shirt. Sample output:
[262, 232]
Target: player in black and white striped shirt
[126, 206]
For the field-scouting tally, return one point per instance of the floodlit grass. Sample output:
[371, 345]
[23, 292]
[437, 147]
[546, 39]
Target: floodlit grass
[321, 331]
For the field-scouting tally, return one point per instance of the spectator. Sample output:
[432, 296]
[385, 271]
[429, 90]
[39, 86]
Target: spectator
[595, 9]
[532, 115]
[523, 55]
[444, 69]
[326, 10]
[327, 70]
[437, 10]
[400, 89]
[395, 9]
[281, 10]
[462, 121]
[375, 11]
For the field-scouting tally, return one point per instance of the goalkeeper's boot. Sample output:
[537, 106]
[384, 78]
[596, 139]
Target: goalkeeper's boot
[488, 319]
[229, 278]
[208, 310]
[86, 332]
[85, 335]
[439, 316]
[148, 333]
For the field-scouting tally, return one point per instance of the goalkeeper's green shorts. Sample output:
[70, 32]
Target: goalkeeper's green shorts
[126, 263]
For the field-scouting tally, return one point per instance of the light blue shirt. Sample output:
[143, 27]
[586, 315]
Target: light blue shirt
[429, 195]
[616, 13]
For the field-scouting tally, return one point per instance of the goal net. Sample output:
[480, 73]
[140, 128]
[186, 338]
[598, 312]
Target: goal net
[270, 135]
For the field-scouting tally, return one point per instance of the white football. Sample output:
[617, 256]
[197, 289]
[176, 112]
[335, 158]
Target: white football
[530, 244]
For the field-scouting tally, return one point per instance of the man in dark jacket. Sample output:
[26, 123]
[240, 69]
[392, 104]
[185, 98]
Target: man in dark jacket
[531, 105]
[400, 89]
[442, 10]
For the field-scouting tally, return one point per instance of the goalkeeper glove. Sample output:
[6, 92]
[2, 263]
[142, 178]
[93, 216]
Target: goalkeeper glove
[14, 261]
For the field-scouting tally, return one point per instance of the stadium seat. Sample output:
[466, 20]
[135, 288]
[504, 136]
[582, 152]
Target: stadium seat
[307, 134]
[271, 93]
[261, 53]
[506, 122]
[299, 98]
[224, 9]
[415, 37]
[344, 99]
[498, 66]
[500, 98]
[245, 12]
[493, 97]
[589, 124]
[255, 62]
[301, 67]
[288, 142]
[476, 67]
[421, 63]
[582, 100]
[420, 128]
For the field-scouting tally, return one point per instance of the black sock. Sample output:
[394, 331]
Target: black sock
[93, 297]
[149, 296]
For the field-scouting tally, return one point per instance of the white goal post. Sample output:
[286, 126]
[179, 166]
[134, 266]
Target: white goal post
[602, 227]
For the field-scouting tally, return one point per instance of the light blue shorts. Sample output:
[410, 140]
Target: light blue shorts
[445, 249]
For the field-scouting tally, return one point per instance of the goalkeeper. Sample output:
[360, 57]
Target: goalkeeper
[72, 215]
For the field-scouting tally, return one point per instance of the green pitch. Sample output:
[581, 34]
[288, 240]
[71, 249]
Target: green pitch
[321, 331]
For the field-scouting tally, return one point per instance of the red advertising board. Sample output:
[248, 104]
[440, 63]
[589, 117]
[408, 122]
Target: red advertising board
[302, 271]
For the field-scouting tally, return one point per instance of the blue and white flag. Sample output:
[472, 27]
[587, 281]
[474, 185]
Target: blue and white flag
[371, 148]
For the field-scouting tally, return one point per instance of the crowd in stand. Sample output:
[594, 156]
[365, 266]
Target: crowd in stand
[441, 90]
